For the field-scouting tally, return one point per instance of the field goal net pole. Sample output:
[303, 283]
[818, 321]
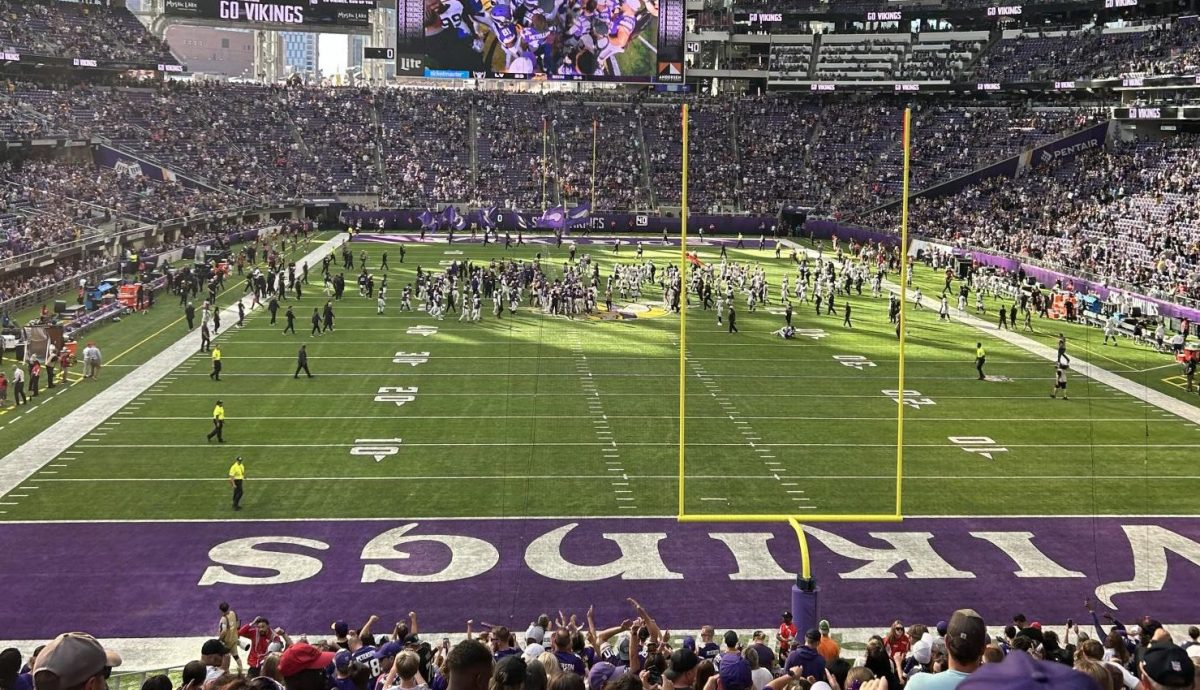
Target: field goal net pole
[804, 593]
[907, 144]
[683, 286]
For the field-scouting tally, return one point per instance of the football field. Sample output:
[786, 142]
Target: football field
[536, 415]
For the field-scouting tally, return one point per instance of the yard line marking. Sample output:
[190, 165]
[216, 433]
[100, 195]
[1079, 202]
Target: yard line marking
[18, 465]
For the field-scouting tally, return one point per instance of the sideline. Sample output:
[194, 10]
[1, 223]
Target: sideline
[1079, 365]
[24, 461]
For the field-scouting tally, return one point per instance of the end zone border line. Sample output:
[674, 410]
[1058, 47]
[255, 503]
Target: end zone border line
[19, 465]
[573, 518]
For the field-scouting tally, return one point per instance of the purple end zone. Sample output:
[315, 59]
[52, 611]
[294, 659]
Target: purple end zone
[145, 579]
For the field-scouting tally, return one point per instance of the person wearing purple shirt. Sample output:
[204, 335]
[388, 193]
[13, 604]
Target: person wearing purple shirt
[707, 650]
[766, 658]
[342, 678]
[502, 644]
[570, 661]
[807, 657]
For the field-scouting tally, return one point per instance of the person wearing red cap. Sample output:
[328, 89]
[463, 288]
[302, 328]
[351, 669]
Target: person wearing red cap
[303, 667]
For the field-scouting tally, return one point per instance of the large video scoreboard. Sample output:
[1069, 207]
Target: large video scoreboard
[573, 40]
[282, 12]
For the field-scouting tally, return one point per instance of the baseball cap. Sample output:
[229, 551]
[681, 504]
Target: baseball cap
[389, 650]
[533, 651]
[70, 659]
[1169, 665]
[342, 659]
[623, 649]
[731, 639]
[1019, 671]
[689, 642]
[303, 657]
[812, 635]
[942, 627]
[923, 649]
[535, 634]
[600, 674]
[966, 635]
[682, 661]
[735, 672]
[213, 647]
[787, 615]
[823, 626]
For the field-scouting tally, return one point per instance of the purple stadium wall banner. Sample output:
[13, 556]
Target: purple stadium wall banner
[1068, 147]
[123, 164]
[1085, 286]
[131, 579]
[826, 229]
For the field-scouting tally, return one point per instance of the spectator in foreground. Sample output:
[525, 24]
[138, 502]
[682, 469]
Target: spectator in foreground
[807, 657]
[468, 666]
[966, 637]
[74, 661]
[303, 667]
[1019, 671]
[1165, 665]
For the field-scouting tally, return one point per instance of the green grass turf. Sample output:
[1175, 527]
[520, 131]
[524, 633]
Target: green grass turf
[125, 344]
[504, 422]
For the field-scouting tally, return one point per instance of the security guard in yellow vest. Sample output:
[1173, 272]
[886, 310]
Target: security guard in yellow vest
[218, 423]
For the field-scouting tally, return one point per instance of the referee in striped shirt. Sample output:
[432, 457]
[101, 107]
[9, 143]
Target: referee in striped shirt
[237, 475]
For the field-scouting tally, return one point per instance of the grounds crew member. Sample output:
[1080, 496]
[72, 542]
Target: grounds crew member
[237, 475]
[218, 419]
[216, 362]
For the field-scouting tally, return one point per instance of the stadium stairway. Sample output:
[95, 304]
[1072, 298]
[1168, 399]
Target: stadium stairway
[641, 144]
[814, 57]
[473, 133]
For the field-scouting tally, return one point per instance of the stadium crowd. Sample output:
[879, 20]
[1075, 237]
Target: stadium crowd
[78, 30]
[1127, 216]
[636, 654]
[1173, 48]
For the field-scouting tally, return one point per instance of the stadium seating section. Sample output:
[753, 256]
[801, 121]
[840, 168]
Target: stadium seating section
[78, 30]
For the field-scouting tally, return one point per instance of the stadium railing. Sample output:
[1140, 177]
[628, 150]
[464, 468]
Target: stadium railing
[133, 680]
[48, 292]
